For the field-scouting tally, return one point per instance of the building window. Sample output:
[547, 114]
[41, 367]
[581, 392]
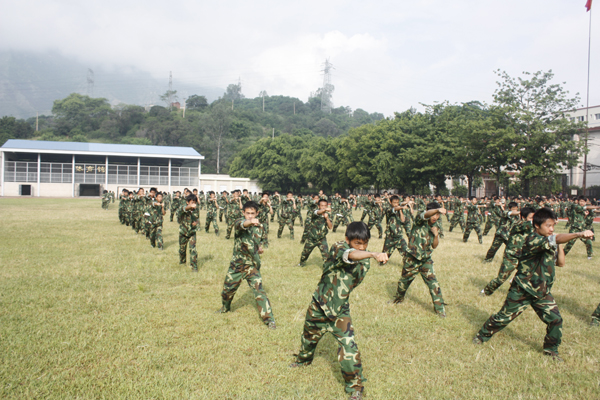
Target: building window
[582, 118]
[597, 116]
[572, 119]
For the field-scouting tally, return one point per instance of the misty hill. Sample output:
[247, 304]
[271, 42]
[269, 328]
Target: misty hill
[30, 82]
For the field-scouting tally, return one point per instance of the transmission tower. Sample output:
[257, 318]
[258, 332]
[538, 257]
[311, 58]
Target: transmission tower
[170, 92]
[90, 83]
[327, 90]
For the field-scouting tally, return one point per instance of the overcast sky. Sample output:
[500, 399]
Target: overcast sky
[387, 55]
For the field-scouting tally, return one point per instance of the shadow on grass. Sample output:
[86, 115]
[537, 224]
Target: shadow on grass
[572, 306]
[328, 350]
[246, 299]
[477, 318]
[392, 287]
[478, 282]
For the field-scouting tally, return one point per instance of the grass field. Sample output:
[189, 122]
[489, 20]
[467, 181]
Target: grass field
[89, 310]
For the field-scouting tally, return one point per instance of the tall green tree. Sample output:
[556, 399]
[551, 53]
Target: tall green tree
[535, 110]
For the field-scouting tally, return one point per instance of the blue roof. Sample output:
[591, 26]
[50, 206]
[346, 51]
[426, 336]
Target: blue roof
[40, 145]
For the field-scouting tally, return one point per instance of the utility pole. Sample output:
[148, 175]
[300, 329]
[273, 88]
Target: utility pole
[170, 92]
[587, 106]
[37, 115]
[327, 90]
[273, 134]
[294, 108]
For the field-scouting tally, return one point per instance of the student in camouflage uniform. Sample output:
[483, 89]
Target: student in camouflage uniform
[234, 212]
[129, 210]
[312, 204]
[222, 205]
[329, 311]
[458, 217]
[588, 222]
[298, 211]
[394, 239]
[139, 201]
[105, 200]
[376, 216]
[157, 210]
[264, 209]
[344, 214]
[367, 204]
[288, 207]
[516, 238]
[473, 220]
[245, 264]
[187, 231]
[176, 203]
[123, 199]
[422, 241]
[211, 213]
[577, 224]
[317, 235]
[275, 203]
[533, 282]
[503, 231]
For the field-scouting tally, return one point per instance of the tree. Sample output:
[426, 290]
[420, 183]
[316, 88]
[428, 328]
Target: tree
[216, 125]
[534, 109]
[79, 111]
[233, 93]
[169, 97]
[196, 102]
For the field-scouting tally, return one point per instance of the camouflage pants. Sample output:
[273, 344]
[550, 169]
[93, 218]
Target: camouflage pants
[230, 223]
[509, 264]
[275, 212]
[121, 216]
[315, 326]
[213, 219]
[596, 313]
[344, 219]
[489, 224]
[265, 237]
[310, 245]
[183, 242]
[498, 241]
[105, 204]
[282, 223]
[156, 237]
[172, 214]
[587, 242]
[394, 243]
[516, 302]
[472, 226]
[377, 223]
[299, 216]
[364, 215]
[457, 219]
[412, 267]
[235, 275]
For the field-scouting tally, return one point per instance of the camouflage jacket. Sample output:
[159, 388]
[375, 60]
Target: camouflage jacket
[589, 220]
[287, 209]
[536, 269]
[106, 197]
[246, 245]
[340, 276]
[263, 213]
[233, 209]
[222, 202]
[578, 216]
[394, 224]
[519, 231]
[211, 209]
[123, 200]
[156, 216]
[318, 227]
[376, 212]
[421, 238]
[473, 213]
[186, 221]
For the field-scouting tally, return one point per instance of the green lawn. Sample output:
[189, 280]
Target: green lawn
[89, 310]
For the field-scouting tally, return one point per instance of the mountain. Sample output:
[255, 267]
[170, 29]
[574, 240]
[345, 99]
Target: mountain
[30, 82]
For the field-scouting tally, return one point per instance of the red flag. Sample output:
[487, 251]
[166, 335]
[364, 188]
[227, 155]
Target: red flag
[588, 5]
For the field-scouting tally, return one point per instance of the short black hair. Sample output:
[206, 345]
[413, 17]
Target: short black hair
[357, 230]
[322, 200]
[289, 192]
[153, 189]
[542, 215]
[512, 204]
[433, 205]
[582, 197]
[250, 204]
[395, 197]
[525, 211]
[191, 197]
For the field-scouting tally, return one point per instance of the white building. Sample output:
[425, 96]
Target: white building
[575, 175]
[70, 169]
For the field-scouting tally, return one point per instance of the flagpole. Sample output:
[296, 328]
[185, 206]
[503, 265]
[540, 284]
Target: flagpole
[587, 105]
